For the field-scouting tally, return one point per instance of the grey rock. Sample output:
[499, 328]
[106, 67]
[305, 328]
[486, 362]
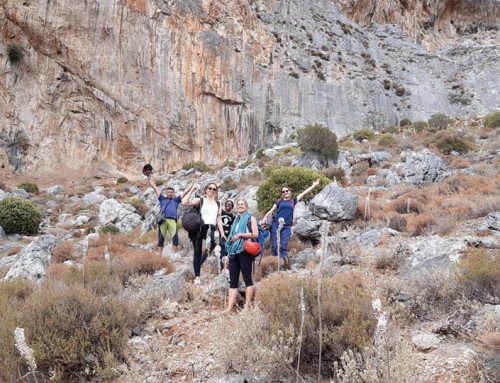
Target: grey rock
[433, 251]
[425, 342]
[422, 168]
[93, 198]
[55, 190]
[307, 230]
[334, 204]
[493, 220]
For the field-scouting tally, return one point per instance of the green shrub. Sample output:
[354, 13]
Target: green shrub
[405, 122]
[29, 187]
[318, 139]
[363, 134]
[14, 52]
[492, 120]
[110, 229]
[393, 129]
[439, 121]
[296, 178]
[199, 166]
[448, 142]
[19, 216]
[420, 126]
[122, 180]
[347, 317]
[259, 153]
[386, 140]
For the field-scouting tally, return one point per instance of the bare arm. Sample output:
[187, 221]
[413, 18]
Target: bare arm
[269, 212]
[253, 234]
[153, 185]
[188, 188]
[185, 200]
[301, 195]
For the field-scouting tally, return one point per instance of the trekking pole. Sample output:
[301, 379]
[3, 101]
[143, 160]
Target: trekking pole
[281, 221]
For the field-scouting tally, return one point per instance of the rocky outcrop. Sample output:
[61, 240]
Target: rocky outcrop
[105, 86]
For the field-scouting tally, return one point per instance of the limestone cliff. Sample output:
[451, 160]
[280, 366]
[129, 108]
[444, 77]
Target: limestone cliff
[110, 85]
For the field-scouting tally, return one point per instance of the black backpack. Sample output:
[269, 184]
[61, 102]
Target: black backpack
[191, 220]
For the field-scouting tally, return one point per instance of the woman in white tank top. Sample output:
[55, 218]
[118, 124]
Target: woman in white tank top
[211, 213]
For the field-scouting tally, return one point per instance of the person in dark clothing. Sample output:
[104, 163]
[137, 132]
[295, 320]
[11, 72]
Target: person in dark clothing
[227, 218]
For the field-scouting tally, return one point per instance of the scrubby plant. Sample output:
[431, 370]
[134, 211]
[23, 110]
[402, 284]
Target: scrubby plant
[420, 126]
[29, 187]
[478, 275]
[387, 140]
[122, 180]
[363, 134]
[343, 319]
[139, 205]
[259, 153]
[65, 251]
[392, 129]
[110, 229]
[405, 122]
[296, 178]
[200, 166]
[318, 139]
[19, 216]
[448, 142]
[334, 174]
[492, 120]
[14, 52]
[229, 184]
[439, 121]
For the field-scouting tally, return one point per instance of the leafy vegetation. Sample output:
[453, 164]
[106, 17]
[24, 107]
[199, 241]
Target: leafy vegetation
[29, 187]
[14, 52]
[318, 139]
[363, 134]
[296, 178]
[19, 216]
[492, 120]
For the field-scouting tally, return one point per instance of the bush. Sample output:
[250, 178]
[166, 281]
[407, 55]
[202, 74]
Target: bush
[420, 126]
[14, 52]
[318, 139]
[439, 121]
[110, 229]
[405, 122]
[19, 216]
[199, 166]
[29, 187]
[363, 134]
[140, 207]
[492, 120]
[448, 142]
[478, 274]
[296, 178]
[259, 153]
[71, 330]
[392, 129]
[122, 180]
[347, 318]
[386, 140]
[334, 174]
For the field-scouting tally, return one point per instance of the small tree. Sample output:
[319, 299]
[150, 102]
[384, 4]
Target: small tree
[440, 121]
[318, 139]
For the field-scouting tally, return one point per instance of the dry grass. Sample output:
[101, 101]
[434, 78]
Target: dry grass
[65, 251]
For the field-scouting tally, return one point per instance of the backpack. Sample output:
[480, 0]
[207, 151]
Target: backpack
[191, 220]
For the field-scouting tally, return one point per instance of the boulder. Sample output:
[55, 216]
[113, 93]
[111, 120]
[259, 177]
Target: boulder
[334, 203]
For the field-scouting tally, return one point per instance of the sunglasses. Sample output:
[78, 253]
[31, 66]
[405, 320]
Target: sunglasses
[213, 189]
[285, 191]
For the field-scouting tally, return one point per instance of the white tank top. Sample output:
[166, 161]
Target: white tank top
[209, 212]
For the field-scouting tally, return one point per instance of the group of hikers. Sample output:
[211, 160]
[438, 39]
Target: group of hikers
[237, 231]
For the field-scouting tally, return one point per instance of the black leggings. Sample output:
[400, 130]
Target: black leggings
[242, 262]
[197, 241]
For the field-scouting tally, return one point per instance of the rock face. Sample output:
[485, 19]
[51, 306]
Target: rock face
[105, 86]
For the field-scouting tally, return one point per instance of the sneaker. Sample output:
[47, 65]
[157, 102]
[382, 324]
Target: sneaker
[197, 281]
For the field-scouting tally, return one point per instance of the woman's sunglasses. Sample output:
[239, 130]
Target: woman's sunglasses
[213, 189]
[285, 191]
